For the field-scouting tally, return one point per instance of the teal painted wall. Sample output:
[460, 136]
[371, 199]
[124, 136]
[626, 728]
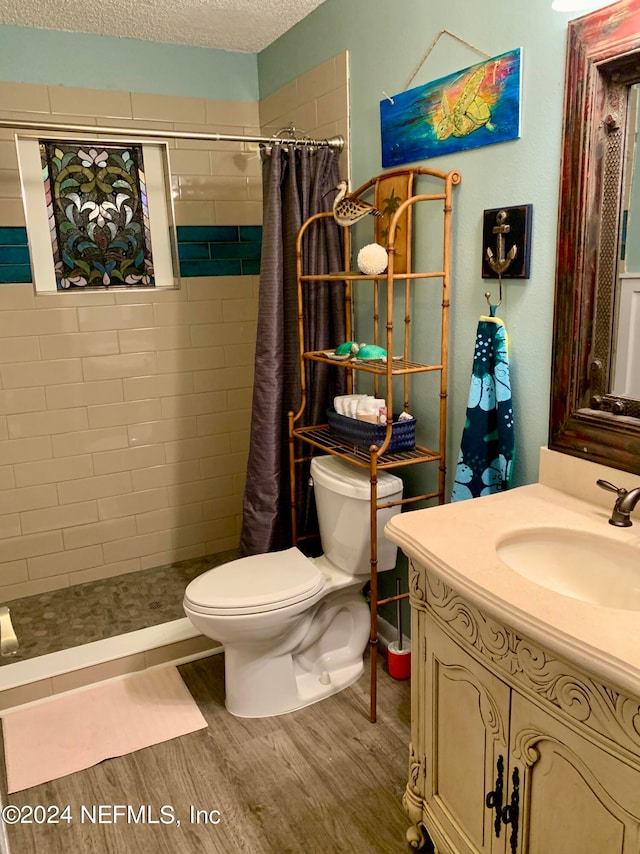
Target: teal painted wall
[386, 42]
[130, 65]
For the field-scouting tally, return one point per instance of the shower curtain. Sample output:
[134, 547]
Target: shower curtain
[296, 184]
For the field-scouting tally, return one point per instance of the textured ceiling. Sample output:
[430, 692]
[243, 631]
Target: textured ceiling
[242, 25]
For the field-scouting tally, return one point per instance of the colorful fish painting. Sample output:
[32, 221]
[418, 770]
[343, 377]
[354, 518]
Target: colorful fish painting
[477, 106]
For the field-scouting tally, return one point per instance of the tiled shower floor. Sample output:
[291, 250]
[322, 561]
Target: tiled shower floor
[73, 616]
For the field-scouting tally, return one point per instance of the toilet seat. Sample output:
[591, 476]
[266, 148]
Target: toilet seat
[253, 584]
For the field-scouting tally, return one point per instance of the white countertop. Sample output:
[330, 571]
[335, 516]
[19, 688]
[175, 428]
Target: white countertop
[458, 542]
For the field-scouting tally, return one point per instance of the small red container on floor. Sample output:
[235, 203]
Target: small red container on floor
[399, 661]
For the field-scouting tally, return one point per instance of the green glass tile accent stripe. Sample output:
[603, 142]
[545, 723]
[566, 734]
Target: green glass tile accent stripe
[13, 236]
[219, 250]
[203, 250]
[14, 255]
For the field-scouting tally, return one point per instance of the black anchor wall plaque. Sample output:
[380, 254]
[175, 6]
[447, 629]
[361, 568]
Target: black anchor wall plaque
[506, 242]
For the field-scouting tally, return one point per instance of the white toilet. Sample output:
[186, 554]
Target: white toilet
[295, 628]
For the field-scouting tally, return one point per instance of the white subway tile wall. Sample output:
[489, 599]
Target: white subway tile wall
[317, 103]
[124, 416]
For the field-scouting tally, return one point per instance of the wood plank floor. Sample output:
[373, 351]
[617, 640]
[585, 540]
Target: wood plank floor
[319, 781]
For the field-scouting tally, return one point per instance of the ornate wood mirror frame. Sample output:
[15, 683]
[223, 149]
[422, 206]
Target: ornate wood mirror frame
[603, 59]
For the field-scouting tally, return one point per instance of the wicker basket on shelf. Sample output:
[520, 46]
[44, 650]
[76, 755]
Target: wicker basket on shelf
[364, 434]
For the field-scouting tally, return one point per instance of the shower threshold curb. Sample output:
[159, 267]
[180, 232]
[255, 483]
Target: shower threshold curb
[38, 678]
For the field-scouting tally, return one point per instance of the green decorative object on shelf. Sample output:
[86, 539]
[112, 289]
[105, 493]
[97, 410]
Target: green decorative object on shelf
[371, 351]
[346, 348]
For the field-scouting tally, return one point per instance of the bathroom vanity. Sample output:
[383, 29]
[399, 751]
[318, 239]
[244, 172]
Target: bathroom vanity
[525, 700]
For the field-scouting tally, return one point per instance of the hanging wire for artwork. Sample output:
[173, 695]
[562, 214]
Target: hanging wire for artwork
[431, 47]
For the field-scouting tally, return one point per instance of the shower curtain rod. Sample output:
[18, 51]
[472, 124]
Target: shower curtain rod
[336, 142]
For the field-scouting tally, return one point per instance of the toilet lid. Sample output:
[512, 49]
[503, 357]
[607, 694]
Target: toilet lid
[256, 583]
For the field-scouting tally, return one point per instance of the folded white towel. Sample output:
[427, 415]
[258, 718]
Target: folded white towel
[346, 404]
[369, 409]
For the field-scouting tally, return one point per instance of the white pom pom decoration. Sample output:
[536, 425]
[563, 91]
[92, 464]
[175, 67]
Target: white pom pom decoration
[372, 259]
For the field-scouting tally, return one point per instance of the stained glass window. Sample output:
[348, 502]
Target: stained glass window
[98, 214]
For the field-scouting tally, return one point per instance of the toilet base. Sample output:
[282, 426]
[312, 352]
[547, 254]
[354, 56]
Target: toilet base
[322, 655]
[309, 690]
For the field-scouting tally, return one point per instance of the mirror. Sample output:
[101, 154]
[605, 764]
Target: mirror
[625, 376]
[595, 404]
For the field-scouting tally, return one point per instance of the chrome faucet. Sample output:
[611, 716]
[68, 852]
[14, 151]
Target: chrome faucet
[625, 503]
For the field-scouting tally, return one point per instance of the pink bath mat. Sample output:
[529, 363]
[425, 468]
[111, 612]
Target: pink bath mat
[74, 731]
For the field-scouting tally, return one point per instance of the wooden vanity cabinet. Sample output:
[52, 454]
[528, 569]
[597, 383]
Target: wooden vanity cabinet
[465, 711]
[575, 796]
[513, 750]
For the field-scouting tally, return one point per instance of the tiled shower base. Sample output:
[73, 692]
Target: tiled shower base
[83, 634]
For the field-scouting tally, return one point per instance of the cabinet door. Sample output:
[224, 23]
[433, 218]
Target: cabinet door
[575, 798]
[467, 712]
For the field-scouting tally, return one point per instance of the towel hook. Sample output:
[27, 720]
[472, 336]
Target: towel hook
[487, 296]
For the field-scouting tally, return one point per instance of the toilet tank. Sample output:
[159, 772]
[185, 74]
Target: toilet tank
[342, 494]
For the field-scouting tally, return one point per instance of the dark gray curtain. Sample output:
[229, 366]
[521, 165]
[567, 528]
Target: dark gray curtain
[296, 184]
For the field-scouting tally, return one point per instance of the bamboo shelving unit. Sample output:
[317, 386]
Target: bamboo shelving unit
[319, 436]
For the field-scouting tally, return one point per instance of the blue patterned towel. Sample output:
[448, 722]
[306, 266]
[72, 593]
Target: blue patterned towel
[487, 449]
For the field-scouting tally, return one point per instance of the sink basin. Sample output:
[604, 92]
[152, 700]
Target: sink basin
[577, 564]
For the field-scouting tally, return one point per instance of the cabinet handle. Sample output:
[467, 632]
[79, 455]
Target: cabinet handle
[511, 812]
[494, 798]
